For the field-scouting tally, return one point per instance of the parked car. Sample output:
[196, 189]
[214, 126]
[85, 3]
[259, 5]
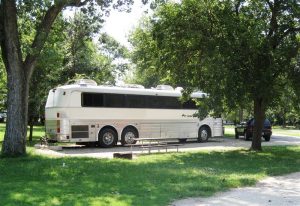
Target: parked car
[246, 129]
[2, 117]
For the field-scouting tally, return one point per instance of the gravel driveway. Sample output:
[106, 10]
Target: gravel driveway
[272, 191]
[220, 143]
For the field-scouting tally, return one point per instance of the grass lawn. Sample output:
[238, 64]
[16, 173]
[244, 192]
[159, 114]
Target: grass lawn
[286, 131]
[149, 180]
[155, 179]
[229, 131]
[38, 131]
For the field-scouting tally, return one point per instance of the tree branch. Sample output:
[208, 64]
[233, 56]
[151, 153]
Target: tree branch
[237, 7]
[40, 38]
[44, 30]
[287, 32]
[274, 13]
[76, 3]
[2, 42]
[10, 44]
[1, 22]
[269, 4]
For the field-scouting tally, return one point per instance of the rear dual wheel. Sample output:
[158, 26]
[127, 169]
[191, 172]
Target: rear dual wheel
[204, 134]
[107, 138]
[129, 135]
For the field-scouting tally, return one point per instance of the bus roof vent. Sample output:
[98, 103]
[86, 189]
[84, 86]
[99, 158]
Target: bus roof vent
[164, 87]
[86, 82]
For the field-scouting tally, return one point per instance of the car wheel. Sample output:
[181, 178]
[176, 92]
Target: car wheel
[107, 138]
[204, 134]
[128, 136]
[267, 138]
[247, 136]
[236, 134]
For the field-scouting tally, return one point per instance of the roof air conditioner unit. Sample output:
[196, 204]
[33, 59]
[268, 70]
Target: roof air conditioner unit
[86, 82]
[165, 87]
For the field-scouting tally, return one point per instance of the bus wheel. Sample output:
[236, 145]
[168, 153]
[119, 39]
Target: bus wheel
[182, 140]
[107, 138]
[128, 136]
[204, 134]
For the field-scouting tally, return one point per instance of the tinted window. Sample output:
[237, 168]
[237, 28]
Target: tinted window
[92, 100]
[153, 102]
[267, 123]
[114, 100]
[170, 102]
[190, 104]
[134, 101]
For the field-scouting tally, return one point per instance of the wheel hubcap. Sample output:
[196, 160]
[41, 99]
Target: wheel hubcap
[108, 138]
[129, 138]
[204, 134]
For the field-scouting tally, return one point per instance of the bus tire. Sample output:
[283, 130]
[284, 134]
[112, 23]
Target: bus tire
[107, 138]
[182, 140]
[128, 134]
[204, 134]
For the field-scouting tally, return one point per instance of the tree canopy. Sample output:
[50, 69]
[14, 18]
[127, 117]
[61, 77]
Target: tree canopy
[237, 51]
[24, 30]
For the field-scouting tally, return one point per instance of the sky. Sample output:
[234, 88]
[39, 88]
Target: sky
[120, 24]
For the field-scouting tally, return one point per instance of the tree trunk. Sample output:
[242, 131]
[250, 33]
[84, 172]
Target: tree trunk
[259, 117]
[17, 83]
[241, 114]
[19, 71]
[283, 118]
[14, 143]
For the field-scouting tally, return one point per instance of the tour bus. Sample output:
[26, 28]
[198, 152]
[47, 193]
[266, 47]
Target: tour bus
[84, 112]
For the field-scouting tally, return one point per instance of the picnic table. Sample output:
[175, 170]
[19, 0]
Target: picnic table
[150, 143]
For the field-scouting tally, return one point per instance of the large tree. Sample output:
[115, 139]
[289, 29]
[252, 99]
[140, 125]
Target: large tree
[145, 56]
[20, 65]
[236, 50]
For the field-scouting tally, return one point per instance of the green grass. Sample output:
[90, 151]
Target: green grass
[149, 180]
[286, 131]
[38, 132]
[229, 131]
[2, 130]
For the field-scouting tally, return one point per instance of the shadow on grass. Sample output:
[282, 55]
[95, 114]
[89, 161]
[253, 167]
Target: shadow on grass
[148, 180]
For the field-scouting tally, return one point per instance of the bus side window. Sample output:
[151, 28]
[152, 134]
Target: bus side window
[190, 104]
[136, 101]
[114, 100]
[91, 100]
